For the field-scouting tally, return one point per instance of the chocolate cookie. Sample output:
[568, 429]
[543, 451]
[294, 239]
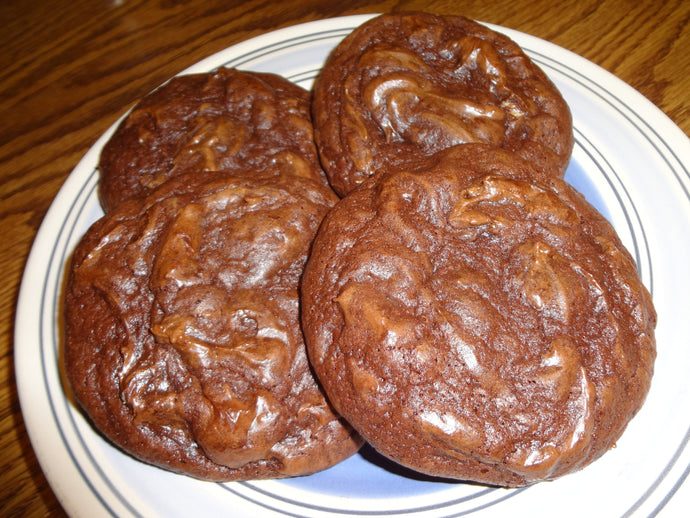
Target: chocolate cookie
[228, 119]
[477, 325]
[404, 85]
[182, 335]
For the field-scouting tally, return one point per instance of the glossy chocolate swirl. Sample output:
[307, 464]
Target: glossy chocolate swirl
[183, 342]
[471, 322]
[404, 86]
[227, 119]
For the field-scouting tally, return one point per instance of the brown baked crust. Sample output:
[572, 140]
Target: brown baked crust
[182, 336]
[477, 325]
[404, 85]
[227, 119]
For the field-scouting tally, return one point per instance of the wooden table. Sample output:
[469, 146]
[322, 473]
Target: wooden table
[71, 68]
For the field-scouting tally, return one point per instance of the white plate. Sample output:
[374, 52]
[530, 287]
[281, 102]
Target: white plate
[630, 160]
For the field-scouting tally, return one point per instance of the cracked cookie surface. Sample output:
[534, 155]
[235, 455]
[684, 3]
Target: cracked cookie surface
[407, 85]
[182, 335]
[472, 322]
[224, 120]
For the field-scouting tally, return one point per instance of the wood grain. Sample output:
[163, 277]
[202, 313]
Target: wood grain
[69, 69]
